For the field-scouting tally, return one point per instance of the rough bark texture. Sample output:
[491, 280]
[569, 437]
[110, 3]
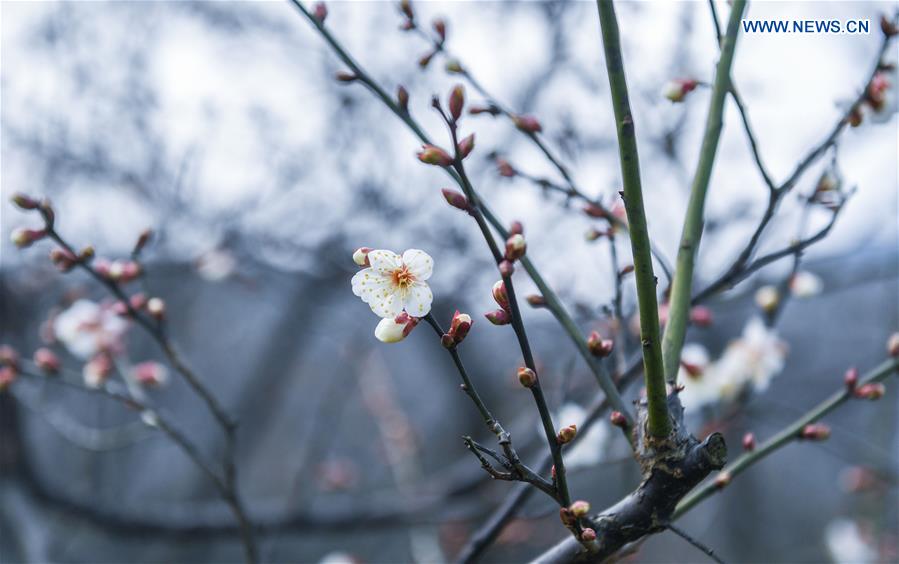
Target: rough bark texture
[670, 467]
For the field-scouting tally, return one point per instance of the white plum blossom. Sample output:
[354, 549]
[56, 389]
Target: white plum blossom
[87, 328]
[846, 543]
[394, 283]
[805, 284]
[748, 362]
[216, 265]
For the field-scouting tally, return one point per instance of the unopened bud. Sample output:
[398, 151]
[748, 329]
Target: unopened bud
[893, 345]
[432, 155]
[536, 301]
[475, 110]
[456, 199]
[588, 535]
[150, 374]
[425, 60]
[500, 296]
[498, 317]
[598, 346]
[142, 241]
[320, 12]
[870, 391]
[855, 117]
[516, 228]
[722, 480]
[7, 377]
[888, 27]
[439, 26]
[506, 268]
[46, 361]
[505, 168]
[346, 76]
[815, 432]
[86, 254]
[592, 234]
[456, 101]
[406, 9]
[851, 378]
[9, 356]
[459, 327]
[567, 434]
[676, 90]
[453, 66]
[138, 301]
[402, 98]
[527, 377]
[24, 202]
[767, 298]
[528, 124]
[626, 270]
[360, 256]
[23, 238]
[516, 246]
[101, 267]
[701, 316]
[96, 371]
[618, 419]
[566, 517]
[595, 210]
[579, 508]
[156, 308]
[749, 442]
[394, 330]
[466, 146]
[62, 259]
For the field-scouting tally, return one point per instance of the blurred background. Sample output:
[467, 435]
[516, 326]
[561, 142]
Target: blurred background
[220, 125]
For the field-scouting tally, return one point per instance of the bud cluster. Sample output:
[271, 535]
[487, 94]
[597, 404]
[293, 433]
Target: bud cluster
[122, 271]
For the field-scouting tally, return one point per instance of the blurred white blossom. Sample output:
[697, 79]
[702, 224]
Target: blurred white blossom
[805, 284]
[846, 544]
[86, 328]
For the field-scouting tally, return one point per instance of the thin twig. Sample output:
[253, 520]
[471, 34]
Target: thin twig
[708, 551]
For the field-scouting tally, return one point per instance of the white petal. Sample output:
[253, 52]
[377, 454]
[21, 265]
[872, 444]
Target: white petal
[417, 302]
[383, 261]
[386, 304]
[371, 285]
[419, 263]
[389, 331]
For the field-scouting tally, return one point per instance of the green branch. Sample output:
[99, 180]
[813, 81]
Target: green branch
[659, 423]
[679, 307]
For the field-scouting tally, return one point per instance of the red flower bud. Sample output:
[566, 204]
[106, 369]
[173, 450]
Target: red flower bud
[567, 434]
[138, 301]
[506, 268]
[440, 29]
[24, 202]
[9, 356]
[536, 300]
[618, 419]
[433, 155]
[345, 76]
[456, 101]
[516, 246]
[498, 317]
[46, 361]
[851, 378]
[320, 12]
[749, 442]
[527, 377]
[7, 377]
[528, 124]
[871, 391]
[23, 238]
[460, 326]
[402, 98]
[466, 146]
[701, 316]
[516, 228]
[566, 517]
[815, 432]
[598, 346]
[504, 168]
[456, 199]
[588, 535]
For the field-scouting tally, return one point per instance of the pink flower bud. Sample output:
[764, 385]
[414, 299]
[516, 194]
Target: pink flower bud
[500, 296]
[46, 361]
[24, 202]
[516, 228]
[466, 146]
[360, 256]
[893, 345]
[588, 535]
[120, 308]
[567, 434]
[851, 378]
[498, 317]
[506, 268]
[618, 419]
[749, 442]
[505, 169]
[527, 377]
[150, 374]
[815, 432]
[439, 26]
[626, 270]
[870, 391]
[722, 480]
[102, 266]
[516, 246]
[460, 326]
[701, 316]
[475, 110]
[7, 377]
[453, 66]
[528, 124]
[676, 90]
[346, 77]
[402, 98]
[456, 101]
[156, 308]
[97, 370]
[320, 12]
[138, 301]
[456, 199]
[63, 259]
[23, 238]
[9, 356]
[877, 90]
[579, 508]
[536, 301]
[447, 341]
[596, 211]
[598, 346]
[432, 155]
[566, 517]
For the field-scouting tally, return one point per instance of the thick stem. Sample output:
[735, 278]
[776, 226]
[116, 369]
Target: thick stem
[681, 289]
[659, 423]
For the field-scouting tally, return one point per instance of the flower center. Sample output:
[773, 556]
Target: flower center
[402, 278]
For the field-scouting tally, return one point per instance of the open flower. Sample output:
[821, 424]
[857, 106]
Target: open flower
[87, 328]
[396, 283]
